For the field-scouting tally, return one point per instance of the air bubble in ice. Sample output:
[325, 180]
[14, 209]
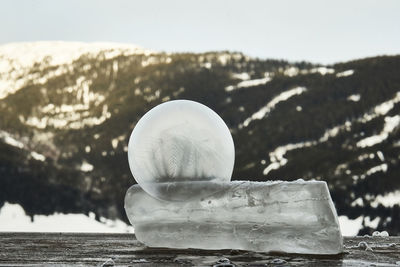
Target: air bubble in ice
[224, 262]
[278, 261]
[178, 144]
[362, 244]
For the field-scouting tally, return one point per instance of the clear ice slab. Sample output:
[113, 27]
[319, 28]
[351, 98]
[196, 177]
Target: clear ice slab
[289, 217]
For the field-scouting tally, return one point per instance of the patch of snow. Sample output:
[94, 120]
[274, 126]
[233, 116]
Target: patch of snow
[38, 123]
[264, 111]
[350, 227]
[340, 168]
[272, 166]
[354, 98]
[114, 143]
[8, 139]
[165, 98]
[371, 223]
[180, 90]
[387, 200]
[291, 71]
[115, 66]
[254, 82]
[322, 70]
[294, 71]
[363, 157]
[345, 73]
[152, 97]
[38, 156]
[391, 123]
[357, 202]
[10, 81]
[86, 167]
[52, 109]
[330, 133]
[230, 88]
[67, 119]
[249, 83]
[150, 61]
[223, 58]
[277, 156]
[384, 108]
[379, 168]
[241, 76]
[206, 65]
[381, 109]
[380, 155]
[14, 219]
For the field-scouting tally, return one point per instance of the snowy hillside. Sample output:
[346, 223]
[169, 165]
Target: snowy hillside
[18, 59]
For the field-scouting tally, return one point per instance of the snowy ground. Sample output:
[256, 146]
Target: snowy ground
[350, 227]
[14, 219]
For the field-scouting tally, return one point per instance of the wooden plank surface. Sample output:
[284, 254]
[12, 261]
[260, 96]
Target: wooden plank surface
[82, 249]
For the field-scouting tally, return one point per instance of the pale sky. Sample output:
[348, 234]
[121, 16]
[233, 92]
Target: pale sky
[313, 30]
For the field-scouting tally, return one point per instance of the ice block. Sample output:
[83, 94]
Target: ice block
[279, 216]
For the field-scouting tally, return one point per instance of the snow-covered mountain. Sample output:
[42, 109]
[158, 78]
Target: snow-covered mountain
[67, 110]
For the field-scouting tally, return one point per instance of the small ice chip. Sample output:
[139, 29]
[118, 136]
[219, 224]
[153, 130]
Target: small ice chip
[384, 234]
[380, 234]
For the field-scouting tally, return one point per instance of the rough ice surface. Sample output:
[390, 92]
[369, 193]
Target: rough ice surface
[291, 217]
[177, 142]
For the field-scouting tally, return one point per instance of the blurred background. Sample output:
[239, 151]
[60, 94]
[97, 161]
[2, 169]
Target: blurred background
[309, 89]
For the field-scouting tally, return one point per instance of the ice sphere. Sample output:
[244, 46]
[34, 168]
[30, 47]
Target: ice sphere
[291, 217]
[176, 142]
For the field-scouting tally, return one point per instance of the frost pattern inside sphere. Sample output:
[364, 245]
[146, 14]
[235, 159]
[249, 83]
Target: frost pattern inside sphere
[178, 144]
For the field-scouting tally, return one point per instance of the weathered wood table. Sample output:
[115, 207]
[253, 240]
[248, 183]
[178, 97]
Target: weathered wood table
[67, 249]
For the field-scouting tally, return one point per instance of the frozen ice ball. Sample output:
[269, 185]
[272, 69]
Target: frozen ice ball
[179, 144]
